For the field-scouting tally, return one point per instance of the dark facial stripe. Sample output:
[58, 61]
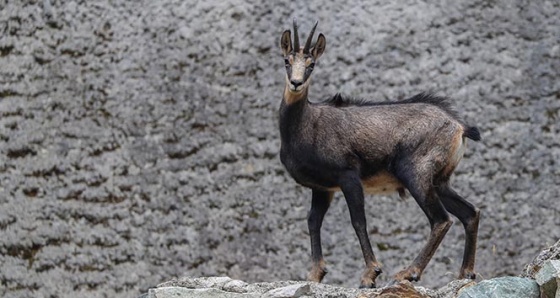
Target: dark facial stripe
[307, 74]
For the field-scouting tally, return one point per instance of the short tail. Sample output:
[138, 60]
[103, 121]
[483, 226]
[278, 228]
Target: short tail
[472, 133]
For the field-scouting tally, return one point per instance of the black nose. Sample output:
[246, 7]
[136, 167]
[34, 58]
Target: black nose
[296, 83]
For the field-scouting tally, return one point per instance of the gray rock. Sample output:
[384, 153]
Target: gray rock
[180, 292]
[202, 282]
[550, 253]
[452, 289]
[236, 286]
[268, 289]
[502, 287]
[208, 285]
[292, 291]
[548, 279]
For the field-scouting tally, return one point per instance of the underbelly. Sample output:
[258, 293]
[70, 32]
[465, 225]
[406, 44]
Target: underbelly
[381, 183]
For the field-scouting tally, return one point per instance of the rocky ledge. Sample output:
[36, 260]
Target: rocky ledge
[540, 279]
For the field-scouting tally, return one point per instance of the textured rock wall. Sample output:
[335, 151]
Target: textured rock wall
[138, 139]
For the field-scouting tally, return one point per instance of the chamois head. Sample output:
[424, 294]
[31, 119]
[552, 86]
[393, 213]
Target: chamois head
[300, 61]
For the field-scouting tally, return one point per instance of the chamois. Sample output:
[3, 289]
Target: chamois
[349, 145]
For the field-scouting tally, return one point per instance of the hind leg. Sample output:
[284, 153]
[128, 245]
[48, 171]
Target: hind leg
[469, 217]
[440, 222]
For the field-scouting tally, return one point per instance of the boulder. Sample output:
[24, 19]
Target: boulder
[502, 287]
[548, 279]
[551, 253]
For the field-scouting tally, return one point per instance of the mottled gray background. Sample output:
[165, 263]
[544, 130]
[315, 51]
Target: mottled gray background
[139, 142]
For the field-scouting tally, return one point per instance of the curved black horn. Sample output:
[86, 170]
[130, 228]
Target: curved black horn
[309, 39]
[296, 37]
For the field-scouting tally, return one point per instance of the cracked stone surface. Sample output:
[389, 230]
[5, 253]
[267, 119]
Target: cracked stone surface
[139, 142]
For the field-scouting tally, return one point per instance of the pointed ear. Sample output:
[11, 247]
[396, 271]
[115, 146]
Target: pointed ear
[286, 43]
[319, 47]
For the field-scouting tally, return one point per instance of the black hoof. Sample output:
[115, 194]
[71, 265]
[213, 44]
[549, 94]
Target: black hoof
[372, 286]
[414, 277]
[471, 275]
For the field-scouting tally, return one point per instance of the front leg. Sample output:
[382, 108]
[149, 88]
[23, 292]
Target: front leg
[352, 188]
[320, 203]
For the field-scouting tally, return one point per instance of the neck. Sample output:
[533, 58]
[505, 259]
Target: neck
[292, 111]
